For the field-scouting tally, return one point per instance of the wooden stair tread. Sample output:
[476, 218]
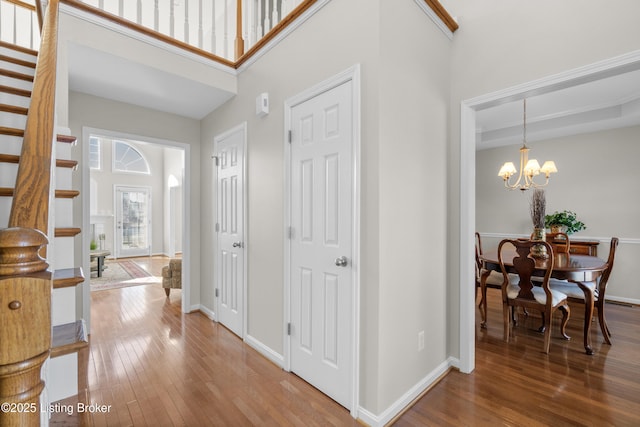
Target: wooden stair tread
[15, 91]
[19, 48]
[16, 75]
[11, 131]
[13, 109]
[20, 132]
[67, 277]
[17, 61]
[68, 338]
[67, 194]
[66, 163]
[60, 194]
[69, 139]
[66, 231]
[61, 163]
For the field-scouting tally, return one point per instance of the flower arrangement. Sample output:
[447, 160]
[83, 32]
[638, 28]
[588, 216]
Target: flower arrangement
[537, 208]
[566, 219]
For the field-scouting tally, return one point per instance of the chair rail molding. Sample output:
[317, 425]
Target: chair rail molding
[605, 240]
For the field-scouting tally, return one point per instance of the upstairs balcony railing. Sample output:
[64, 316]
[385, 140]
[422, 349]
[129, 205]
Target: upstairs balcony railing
[19, 23]
[224, 28]
[227, 31]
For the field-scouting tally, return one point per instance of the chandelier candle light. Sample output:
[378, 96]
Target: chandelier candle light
[528, 168]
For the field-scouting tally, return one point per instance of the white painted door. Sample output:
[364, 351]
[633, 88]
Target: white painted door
[133, 221]
[230, 224]
[321, 282]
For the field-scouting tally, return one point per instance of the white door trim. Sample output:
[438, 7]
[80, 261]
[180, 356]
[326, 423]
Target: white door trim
[596, 71]
[241, 127]
[351, 74]
[186, 212]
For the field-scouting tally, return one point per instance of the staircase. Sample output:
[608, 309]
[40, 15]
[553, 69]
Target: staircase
[64, 372]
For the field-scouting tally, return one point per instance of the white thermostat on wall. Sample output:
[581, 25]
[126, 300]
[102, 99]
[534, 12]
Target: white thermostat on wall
[262, 104]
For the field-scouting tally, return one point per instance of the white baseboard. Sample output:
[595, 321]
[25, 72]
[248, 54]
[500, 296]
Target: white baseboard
[614, 299]
[403, 402]
[206, 311]
[266, 351]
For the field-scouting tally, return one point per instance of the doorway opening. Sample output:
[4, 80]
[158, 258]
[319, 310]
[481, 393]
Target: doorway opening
[571, 78]
[135, 204]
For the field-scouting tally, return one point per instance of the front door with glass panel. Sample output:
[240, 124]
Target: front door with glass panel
[133, 221]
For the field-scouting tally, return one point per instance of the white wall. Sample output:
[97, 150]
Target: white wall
[414, 95]
[404, 108]
[297, 63]
[597, 178]
[502, 43]
[106, 180]
[173, 167]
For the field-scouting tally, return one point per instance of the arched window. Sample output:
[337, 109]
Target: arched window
[128, 159]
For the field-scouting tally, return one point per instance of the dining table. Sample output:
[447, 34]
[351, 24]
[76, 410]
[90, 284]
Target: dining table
[577, 269]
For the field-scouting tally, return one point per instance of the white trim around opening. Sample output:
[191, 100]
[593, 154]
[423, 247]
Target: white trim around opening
[87, 132]
[596, 71]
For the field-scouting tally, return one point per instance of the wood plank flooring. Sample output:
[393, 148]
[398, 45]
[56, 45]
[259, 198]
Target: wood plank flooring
[155, 366]
[516, 384]
[158, 367]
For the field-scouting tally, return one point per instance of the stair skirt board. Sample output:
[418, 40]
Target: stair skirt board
[62, 377]
[65, 371]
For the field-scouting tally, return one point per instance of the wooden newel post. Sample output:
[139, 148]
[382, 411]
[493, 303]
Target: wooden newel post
[25, 324]
[239, 41]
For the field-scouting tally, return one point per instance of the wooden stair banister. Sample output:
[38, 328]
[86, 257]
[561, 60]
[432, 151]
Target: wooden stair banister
[30, 206]
[25, 282]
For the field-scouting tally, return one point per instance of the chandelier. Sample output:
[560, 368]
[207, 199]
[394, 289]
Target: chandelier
[528, 168]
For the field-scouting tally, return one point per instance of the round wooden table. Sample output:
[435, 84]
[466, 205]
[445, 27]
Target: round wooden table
[578, 269]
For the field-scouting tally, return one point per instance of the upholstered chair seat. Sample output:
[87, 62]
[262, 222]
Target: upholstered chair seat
[172, 275]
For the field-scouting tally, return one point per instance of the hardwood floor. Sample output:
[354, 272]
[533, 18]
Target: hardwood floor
[516, 384]
[155, 366]
[158, 367]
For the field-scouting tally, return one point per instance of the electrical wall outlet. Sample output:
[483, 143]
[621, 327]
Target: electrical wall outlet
[420, 340]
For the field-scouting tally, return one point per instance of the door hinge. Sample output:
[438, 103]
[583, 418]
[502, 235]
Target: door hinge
[290, 232]
[217, 228]
[216, 159]
[288, 328]
[290, 136]
[217, 292]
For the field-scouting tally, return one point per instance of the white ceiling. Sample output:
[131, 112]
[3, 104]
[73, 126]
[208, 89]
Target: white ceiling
[607, 103]
[112, 77]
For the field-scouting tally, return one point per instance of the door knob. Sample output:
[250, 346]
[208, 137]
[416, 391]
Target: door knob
[237, 244]
[342, 261]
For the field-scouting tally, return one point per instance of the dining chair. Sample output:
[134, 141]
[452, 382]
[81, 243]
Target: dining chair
[525, 294]
[493, 281]
[559, 241]
[574, 293]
